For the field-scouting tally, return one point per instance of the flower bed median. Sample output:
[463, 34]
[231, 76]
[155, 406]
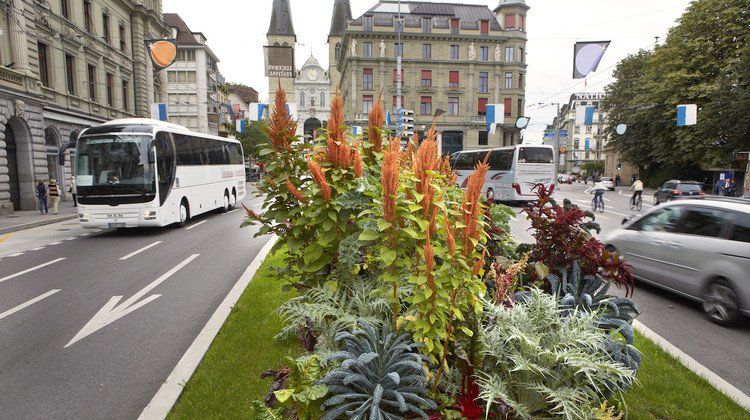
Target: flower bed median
[410, 300]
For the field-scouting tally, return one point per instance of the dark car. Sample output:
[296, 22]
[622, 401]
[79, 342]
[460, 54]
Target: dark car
[675, 189]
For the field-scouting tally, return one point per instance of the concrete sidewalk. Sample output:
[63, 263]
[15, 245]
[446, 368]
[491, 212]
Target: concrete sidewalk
[27, 219]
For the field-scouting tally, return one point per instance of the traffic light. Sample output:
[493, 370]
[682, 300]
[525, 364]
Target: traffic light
[405, 123]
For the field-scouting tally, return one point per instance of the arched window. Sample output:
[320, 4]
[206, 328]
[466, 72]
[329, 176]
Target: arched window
[50, 137]
[53, 147]
[337, 53]
[322, 99]
[302, 98]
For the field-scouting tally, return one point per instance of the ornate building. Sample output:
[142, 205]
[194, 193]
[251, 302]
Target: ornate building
[67, 66]
[456, 57]
[312, 89]
[281, 33]
[585, 143]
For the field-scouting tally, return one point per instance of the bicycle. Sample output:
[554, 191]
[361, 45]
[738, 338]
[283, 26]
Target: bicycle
[637, 203]
[597, 204]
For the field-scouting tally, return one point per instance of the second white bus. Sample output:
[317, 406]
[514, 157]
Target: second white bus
[141, 172]
[513, 173]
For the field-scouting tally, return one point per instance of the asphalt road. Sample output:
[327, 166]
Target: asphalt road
[722, 350]
[66, 350]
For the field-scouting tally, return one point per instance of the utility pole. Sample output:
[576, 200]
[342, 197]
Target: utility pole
[556, 142]
[398, 57]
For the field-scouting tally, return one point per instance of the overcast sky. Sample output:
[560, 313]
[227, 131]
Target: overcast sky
[236, 32]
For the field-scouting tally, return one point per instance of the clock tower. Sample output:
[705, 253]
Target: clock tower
[312, 92]
[281, 33]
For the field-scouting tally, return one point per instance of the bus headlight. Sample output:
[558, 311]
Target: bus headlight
[83, 217]
[149, 215]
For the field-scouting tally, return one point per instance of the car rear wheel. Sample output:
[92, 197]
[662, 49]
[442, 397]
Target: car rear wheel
[720, 303]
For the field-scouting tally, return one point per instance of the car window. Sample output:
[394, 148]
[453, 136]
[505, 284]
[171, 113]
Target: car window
[703, 221]
[741, 228]
[662, 220]
[689, 187]
[669, 186]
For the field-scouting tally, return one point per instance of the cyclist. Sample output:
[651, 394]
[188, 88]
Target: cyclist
[637, 189]
[598, 190]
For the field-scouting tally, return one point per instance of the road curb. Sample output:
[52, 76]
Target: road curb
[25, 226]
[171, 389]
[725, 387]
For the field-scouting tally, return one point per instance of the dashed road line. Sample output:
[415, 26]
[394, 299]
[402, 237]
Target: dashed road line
[196, 225]
[17, 254]
[54, 243]
[28, 303]
[138, 251]
[69, 239]
[28, 270]
[39, 248]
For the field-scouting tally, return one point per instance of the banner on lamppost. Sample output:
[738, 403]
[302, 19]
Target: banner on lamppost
[494, 115]
[162, 52]
[586, 57]
[279, 61]
[255, 111]
[687, 115]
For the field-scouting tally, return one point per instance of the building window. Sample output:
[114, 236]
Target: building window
[186, 55]
[484, 82]
[484, 53]
[520, 107]
[509, 80]
[394, 76]
[110, 89]
[578, 129]
[482, 106]
[425, 105]
[453, 78]
[482, 138]
[398, 49]
[510, 22]
[125, 104]
[367, 79]
[454, 52]
[426, 25]
[508, 54]
[70, 72]
[395, 103]
[337, 52]
[426, 77]
[508, 107]
[88, 21]
[64, 9]
[484, 27]
[397, 25]
[520, 80]
[105, 28]
[92, 82]
[181, 76]
[454, 26]
[43, 52]
[588, 129]
[576, 144]
[322, 99]
[521, 56]
[366, 104]
[302, 99]
[522, 23]
[453, 105]
[426, 51]
[367, 23]
[367, 49]
[123, 37]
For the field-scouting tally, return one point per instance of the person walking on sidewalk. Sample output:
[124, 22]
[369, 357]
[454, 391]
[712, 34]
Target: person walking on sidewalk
[54, 194]
[73, 190]
[41, 195]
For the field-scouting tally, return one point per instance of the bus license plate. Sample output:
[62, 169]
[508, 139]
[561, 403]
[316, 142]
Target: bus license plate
[116, 225]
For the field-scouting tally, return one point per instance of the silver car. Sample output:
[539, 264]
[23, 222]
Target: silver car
[696, 248]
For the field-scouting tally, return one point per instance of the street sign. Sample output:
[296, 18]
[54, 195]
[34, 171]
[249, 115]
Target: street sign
[406, 122]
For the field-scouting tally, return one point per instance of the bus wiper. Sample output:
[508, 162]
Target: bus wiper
[136, 190]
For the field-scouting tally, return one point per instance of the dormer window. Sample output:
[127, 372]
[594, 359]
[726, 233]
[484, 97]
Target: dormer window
[426, 25]
[510, 22]
[367, 23]
[454, 26]
[484, 27]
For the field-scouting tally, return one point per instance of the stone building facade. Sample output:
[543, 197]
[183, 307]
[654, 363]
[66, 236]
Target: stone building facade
[68, 66]
[281, 33]
[584, 143]
[312, 90]
[455, 57]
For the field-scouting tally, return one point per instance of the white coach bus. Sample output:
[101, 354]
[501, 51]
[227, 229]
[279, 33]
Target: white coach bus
[142, 172]
[513, 173]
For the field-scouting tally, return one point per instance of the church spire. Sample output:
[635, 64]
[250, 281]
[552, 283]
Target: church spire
[281, 19]
[342, 14]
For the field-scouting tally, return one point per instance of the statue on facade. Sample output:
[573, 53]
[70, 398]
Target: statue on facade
[472, 52]
[19, 107]
[497, 52]
[382, 48]
[354, 47]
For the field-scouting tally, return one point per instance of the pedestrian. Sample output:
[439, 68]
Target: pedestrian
[718, 186]
[732, 188]
[54, 194]
[617, 180]
[73, 190]
[41, 195]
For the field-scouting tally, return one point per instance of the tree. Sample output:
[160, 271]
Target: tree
[591, 168]
[255, 135]
[704, 61]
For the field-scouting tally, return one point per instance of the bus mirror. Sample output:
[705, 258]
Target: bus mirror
[151, 153]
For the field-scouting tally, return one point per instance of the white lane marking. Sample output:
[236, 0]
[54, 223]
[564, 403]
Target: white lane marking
[605, 210]
[28, 270]
[28, 303]
[111, 312]
[138, 251]
[69, 239]
[196, 225]
[39, 248]
[17, 254]
[170, 390]
[740, 397]
[54, 243]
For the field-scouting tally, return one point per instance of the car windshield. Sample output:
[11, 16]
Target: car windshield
[115, 161]
[684, 187]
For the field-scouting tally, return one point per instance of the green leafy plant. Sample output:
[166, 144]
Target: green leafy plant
[381, 376]
[540, 363]
[303, 393]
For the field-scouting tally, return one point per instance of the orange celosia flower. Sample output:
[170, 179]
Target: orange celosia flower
[339, 152]
[449, 238]
[389, 178]
[294, 191]
[358, 165]
[425, 160]
[319, 175]
[471, 206]
[479, 263]
[429, 262]
[250, 213]
[281, 126]
[376, 120]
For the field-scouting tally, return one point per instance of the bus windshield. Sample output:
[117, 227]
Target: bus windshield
[114, 164]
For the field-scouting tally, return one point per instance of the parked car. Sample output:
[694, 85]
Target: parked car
[609, 183]
[564, 179]
[675, 189]
[696, 248]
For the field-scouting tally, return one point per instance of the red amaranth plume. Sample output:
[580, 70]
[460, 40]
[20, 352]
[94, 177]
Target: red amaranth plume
[339, 152]
[389, 178]
[319, 175]
[376, 120]
[281, 126]
[294, 191]
[470, 206]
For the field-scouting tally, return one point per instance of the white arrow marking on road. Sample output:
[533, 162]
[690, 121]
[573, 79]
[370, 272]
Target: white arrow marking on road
[111, 312]
[28, 270]
[29, 303]
[138, 251]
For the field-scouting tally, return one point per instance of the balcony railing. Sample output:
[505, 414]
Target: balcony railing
[11, 78]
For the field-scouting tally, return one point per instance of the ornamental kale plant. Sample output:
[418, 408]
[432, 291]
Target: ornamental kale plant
[539, 362]
[381, 377]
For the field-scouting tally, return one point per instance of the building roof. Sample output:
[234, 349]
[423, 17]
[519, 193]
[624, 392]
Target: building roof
[184, 34]
[311, 62]
[281, 19]
[342, 14]
[246, 93]
[468, 15]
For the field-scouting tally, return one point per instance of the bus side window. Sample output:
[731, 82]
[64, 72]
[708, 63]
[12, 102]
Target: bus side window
[165, 161]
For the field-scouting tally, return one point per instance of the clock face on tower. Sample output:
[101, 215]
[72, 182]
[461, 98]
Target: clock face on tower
[312, 74]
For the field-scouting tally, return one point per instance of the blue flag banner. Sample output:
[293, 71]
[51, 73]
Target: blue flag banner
[494, 115]
[159, 112]
[585, 115]
[255, 111]
[586, 57]
[388, 118]
[356, 130]
[241, 125]
[587, 144]
[687, 115]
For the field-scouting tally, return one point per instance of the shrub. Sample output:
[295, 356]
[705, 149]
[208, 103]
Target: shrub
[539, 362]
[381, 377]
[295, 390]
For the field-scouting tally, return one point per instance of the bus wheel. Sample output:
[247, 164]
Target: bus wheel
[184, 213]
[233, 198]
[227, 204]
